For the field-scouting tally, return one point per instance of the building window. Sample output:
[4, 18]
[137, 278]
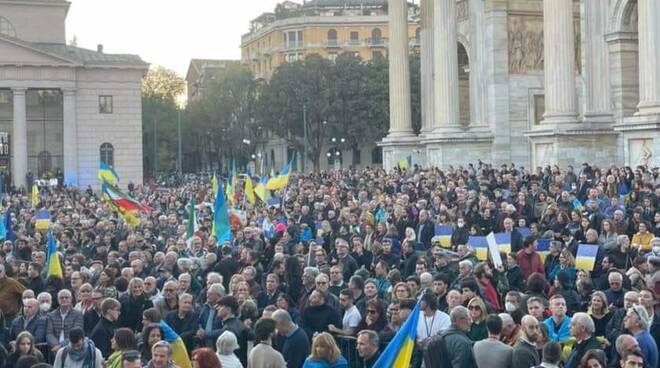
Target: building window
[376, 37]
[355, 38]
[417, 35]
[332, 37]
[44, 162]
[539, 108]
[107, 153]
[105, 105]
[377, 155]
[357, 157]
[6, 28]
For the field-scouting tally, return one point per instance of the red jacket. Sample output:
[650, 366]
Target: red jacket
[530, 263]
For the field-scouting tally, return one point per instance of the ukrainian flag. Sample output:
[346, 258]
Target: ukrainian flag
[221, 226]
[260, 190]
[281, 180]
[398, 352]
[405, 163]
[43, 220]
[503, 240]
[179, 352]
[543, 248]
[586, 257]
[577, 205]
[107, 174]
[54, 266]
[480, 246]
[444, 233]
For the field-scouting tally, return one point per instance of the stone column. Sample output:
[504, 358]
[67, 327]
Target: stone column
[559, 53]
[426, 55]
[400, 116]
[447, 114]
[596, 63]
[649, 57]
[70, 139]
[19, 152]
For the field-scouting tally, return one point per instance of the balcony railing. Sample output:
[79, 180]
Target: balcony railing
[376, 42]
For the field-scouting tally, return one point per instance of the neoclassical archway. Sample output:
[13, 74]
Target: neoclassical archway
[622, 39]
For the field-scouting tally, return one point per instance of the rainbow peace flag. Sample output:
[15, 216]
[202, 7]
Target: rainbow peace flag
[444, 233]
[480, 246]
[179, 352]
[543, 248]
[54, 266]
[122, 200]
[398, 352]
[586, 257]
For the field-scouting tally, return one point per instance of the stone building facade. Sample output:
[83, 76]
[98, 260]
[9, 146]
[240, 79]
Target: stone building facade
[544, 82]
[64, 108]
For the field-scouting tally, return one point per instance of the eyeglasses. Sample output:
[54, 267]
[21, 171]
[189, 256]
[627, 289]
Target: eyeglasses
[321, 283]
[371, 311]
[474, 307]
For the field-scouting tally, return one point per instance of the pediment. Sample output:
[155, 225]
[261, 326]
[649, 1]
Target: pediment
[14, 52]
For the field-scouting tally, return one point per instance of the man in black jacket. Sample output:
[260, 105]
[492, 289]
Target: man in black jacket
[228, 310]
[30, 321]
[425, 229]
[295, 348]
[105, 329]
[582, 328]
[318, 314]
[452, 348]
[184, 320]
[133, 304]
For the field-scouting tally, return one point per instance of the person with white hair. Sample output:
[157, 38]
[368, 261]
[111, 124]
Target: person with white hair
[583, 329]
[454, 341]
[226, 345]
[637, 322]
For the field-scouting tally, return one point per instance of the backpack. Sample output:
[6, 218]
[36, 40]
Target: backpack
[442, 351]
[65, 353]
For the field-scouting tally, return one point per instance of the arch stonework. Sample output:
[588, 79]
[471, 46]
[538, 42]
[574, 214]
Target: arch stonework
[622, 13]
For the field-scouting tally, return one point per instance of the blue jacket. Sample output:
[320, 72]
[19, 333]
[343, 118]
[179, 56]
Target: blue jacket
[212, 336]
[560, 335]
[311, 363]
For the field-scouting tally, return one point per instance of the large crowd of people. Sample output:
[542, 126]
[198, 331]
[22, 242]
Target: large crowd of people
[326, 274]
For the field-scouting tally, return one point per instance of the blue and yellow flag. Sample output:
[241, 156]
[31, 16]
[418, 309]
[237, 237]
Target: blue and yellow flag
[504, 242]
[42, 220]
[398, 352]
[179, 352]
[586, 257]
[107, 174]
[480, 246]
[281, 179]
[260, 190]
[9, 232]
[214, 184]
[444, 232]
[543, 248]
[221, 226]
[577, 205]
[406, 163]
[54, 266]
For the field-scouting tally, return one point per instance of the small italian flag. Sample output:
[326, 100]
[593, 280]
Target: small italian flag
[192, 221]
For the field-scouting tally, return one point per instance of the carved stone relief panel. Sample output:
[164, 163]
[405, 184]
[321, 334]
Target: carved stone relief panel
[526, 43]
[462, 10]
[640, 151]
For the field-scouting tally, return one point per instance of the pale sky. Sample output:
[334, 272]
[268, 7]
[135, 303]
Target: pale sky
[165, 32]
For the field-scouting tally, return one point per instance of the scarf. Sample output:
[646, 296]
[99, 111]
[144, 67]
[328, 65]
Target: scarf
[114, 360]
[85, 355]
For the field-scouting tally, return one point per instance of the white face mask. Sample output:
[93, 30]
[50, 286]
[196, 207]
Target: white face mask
[656, 249]
[45, 307]
[460, 224]
[510, 307]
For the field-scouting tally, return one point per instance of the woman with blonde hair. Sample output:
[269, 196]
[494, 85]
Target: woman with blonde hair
[478, 314]
[325, 353]
[599, 312]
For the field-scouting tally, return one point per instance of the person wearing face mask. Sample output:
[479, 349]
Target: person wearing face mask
[461, 233]
[45, 303]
